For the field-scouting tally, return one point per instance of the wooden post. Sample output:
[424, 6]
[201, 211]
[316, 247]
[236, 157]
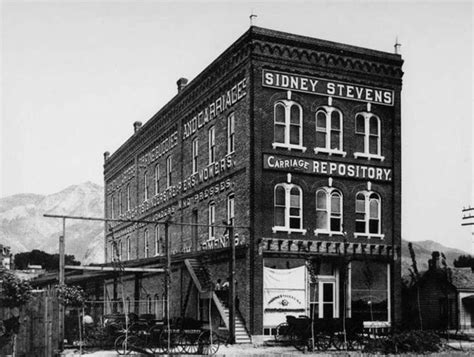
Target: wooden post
[168, 278]
[231, 284]
[62, 248]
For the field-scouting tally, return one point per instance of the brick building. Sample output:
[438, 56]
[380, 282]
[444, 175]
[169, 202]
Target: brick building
[294, 140]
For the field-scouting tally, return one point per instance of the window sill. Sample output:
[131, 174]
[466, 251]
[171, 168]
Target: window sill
[329, 233]
[288, 230]
[289, 147]
[363, 155]
[372, 235]
[330, 152]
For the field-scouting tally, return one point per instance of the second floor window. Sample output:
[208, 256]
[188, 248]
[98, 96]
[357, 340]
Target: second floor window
[288, 125]
[230, 133]
[120, 202]
[195, 154]
[158, 248]
[230, 208]
[129, 248]
[169, 169]
[157, 179]
[128, 198]
[146, 243]
[368, 138]
[212, 144]
[112, 206]
[368, 214]
[288, 208]
[328, 210]
[329, 131]
[212, 220]
[145, 185]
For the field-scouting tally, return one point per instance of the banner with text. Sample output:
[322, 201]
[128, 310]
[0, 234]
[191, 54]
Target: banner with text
[330, 88]
[328, 168]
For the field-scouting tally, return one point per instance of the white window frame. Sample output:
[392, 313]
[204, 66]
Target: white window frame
[195, 154]
[231, 133]
[120, 202]
[366, 213]
[328, 113]
[287, 104]
[128, 197]
[231, 208]
[129, 248]
[366, 154]
[169, 168]
[157, 179]
[112, 205]
[334, 281]
[329, 191]
[157, 240]
[286, 228]
[146, 243]
[145, 184]
[211, 215]
[212, 144]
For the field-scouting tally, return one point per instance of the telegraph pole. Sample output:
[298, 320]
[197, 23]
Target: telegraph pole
[62, 249]
[231, 283]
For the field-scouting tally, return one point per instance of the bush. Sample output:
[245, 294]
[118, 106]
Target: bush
[14, 291]
[408, 341]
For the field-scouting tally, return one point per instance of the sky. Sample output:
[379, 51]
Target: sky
[75, 75]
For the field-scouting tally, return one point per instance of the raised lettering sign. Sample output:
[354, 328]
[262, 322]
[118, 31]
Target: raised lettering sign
[313, 85]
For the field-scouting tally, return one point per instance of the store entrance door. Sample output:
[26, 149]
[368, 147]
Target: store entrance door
[323, 299]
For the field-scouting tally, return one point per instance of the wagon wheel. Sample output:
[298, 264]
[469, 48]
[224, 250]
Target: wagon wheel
[338, 341]
[175, 343]
[282, 332]
[300, 343]
[322, 341]
[153, 340]
[120, 345]
[124, 345]
[190, 343]
[357, 341]
[208, 343]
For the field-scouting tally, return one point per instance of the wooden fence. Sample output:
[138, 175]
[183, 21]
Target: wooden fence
[38, 334]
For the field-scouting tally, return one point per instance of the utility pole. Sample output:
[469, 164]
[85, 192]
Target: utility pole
[167, 277]
[231, 283]
[62, 248]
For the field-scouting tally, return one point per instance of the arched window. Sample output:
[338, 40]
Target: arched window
[212, 219]
[146, 243]
[112, 206]
[329, 131]
[230, 133]
[288, 125]
[145, 185]
[128, 197]
[368, 214]
[288, 208]
[149, 304]
[169, 170]
[195, 154]
[230, 208]
[368, 141]
[157, 310]
[129, 248]
[120, 202]
[157, 240]
[328, 210]
[212, 144]
[157, 179]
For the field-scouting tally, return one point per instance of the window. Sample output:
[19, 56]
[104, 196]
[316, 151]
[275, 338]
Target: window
[128, 197]
[288, 128]
[120, 202]
[288, 208]
[145, 185]
[367, 128]
[169, 168]
[329, 131]
[212, 144]
[112, 206]
[328, 211]
[195, 154]
[230, 209]
[129, 248]
[158, 247]
[368, 213]
[157, 179]
[230, 133]
[212, 219]
[146, 243]
[149, 304]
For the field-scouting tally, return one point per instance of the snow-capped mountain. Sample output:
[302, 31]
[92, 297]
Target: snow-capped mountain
[23, 226]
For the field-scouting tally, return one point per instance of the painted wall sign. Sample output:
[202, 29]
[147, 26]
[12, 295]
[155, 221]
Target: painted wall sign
[327, 168]
[313, 85]
[221, 242]
[214, 108]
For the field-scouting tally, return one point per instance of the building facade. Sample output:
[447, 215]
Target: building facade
[296, 142]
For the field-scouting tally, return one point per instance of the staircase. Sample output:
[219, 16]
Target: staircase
[201, 278]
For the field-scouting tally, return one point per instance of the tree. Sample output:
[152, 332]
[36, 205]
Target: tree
[46, 260]
[464, 261]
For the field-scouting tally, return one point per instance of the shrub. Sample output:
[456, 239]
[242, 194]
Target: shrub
[417, 341]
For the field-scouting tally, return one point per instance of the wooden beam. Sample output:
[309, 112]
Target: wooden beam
[97, 268]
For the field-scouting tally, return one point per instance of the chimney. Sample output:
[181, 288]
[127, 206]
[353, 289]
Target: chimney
[182, 82]
[433, 263]
[136, 126]
[106, 155]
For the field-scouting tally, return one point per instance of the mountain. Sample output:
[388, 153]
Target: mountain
[423, 250]
[23, 226]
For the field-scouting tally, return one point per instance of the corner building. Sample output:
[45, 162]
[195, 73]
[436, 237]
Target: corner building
[294, 140]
